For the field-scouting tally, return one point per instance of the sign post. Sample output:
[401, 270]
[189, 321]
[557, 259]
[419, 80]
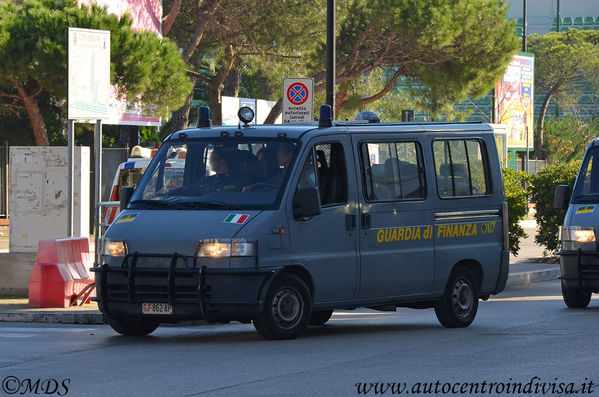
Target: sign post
[88, 96]
[298, 100]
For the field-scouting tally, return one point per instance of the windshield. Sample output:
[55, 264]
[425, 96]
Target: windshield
[216, 174]
[588, 180]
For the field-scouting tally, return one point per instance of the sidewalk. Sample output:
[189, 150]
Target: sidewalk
[18, 310]
[528, 267]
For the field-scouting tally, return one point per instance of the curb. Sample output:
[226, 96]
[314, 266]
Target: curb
[535, 276]
[95, 318]
[54, 318]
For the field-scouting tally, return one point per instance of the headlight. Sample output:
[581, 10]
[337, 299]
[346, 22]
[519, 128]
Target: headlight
[114, 248]
[578, 234]
[224, 248]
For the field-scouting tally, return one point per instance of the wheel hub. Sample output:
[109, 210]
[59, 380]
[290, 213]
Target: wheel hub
[462, 298]
[287, 307]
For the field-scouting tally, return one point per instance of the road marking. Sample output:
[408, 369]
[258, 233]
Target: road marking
[527, 298]
[43, 329]
[17, 335]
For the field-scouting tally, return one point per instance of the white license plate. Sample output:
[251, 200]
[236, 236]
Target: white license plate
[156, 308]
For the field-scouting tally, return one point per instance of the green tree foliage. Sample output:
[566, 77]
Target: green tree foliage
[516, 195]
[564, 61]
[567, 138]
[33, 49]
[542, 191]
[451, 47]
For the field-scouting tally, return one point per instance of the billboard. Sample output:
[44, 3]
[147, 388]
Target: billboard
[145, 15]
[514, 101]
[230, 106]
[88, 74]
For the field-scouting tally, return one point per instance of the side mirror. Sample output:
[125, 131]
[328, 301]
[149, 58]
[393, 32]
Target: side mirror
[561, 200]
[306, 203]
[126, 193]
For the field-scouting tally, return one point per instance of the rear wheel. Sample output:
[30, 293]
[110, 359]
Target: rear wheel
[320, 317]
[459, 303]
[133, 326]
[286, 310]
[575, 297]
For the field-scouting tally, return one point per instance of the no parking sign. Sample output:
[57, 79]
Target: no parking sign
[298, 100]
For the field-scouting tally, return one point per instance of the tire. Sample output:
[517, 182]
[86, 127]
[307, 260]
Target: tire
[320, 317]
[459, 303]
[287, 309]
[576, 298]
[134, 326]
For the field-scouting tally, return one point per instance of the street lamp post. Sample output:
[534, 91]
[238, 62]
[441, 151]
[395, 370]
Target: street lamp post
[330, 85]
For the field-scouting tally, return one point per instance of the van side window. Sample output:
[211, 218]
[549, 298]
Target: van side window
[308, 176]
[461, 167]
[393, 171]
[332, 173]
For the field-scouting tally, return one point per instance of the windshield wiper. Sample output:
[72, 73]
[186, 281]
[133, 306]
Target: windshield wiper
[208, 204]
[156, 203]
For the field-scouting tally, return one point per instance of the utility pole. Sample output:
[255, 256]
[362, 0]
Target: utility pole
[526, 154]
[559, 20]
[331, 56]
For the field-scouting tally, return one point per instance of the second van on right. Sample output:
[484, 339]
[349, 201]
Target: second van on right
[579, 251]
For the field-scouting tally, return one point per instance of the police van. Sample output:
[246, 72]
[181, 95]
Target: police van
[579, 261]
[281, 225]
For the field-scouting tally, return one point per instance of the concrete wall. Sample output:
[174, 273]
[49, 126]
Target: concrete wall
[15, 270]
[38, 195]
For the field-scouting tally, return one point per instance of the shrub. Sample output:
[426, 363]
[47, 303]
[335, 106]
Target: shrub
[541, 193]
[516, 195]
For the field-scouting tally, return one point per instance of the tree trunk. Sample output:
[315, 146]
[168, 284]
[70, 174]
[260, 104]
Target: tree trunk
[34, 113]
[203, 17]
[274, 112]
[540, 123]
[216, 86]
[170, 18]
[180, 118]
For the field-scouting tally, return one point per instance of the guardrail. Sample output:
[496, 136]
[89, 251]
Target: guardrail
[100, 225]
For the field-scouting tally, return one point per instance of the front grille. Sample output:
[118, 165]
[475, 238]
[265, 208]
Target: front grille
[153, 278]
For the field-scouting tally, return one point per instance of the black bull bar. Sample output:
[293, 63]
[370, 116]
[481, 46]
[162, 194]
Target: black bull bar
[183, 282]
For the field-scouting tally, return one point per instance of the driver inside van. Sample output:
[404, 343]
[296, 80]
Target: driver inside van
[224, 179]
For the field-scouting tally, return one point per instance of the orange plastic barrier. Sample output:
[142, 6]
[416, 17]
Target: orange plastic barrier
[61, 272]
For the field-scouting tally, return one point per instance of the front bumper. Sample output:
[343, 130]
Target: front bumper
[194, 291]
[580, 269]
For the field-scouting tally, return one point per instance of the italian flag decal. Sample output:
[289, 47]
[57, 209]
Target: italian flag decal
[236, 218]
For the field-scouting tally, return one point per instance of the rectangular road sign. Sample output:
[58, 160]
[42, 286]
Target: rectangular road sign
[88, 74]
[298, 100]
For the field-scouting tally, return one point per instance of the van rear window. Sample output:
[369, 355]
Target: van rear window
[461, 168]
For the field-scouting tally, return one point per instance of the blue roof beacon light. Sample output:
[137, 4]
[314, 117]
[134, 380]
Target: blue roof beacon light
[326, 116]
[368, 115]
[204, 117]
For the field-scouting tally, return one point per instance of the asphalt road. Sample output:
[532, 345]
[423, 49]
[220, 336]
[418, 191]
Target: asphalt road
[523, 333]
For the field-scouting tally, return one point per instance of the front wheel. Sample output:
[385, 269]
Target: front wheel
[459, 303]
[576, 298]
[287, 309]
[133, 326]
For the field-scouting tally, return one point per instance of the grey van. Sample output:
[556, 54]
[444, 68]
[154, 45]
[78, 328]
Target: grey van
[281, 225]
[579, 261]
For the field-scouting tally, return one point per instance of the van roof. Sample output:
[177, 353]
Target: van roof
[295, 131]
